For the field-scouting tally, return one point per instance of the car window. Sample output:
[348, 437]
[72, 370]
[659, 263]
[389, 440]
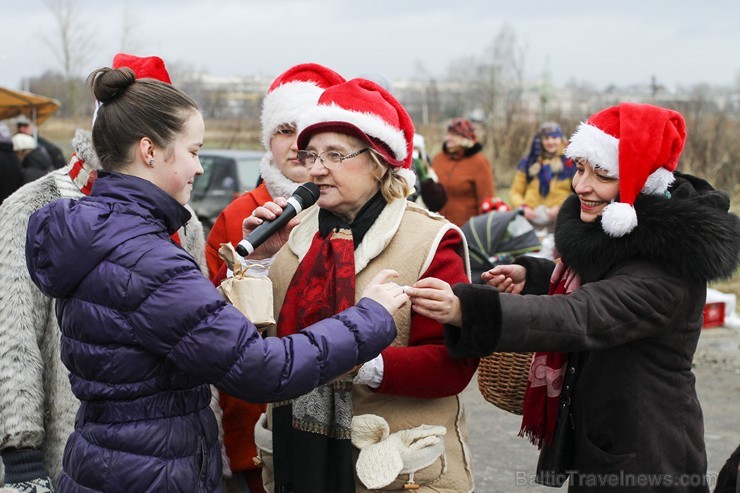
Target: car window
[217, 174]
[249, 172]
[201, 182]
[222, 176]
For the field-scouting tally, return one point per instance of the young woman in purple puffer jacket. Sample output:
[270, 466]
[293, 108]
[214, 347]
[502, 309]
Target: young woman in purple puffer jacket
[144, 333]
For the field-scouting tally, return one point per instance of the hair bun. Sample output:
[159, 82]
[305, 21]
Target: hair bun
[109, 83]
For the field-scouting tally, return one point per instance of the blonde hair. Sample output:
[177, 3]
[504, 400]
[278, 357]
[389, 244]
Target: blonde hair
[392, 184]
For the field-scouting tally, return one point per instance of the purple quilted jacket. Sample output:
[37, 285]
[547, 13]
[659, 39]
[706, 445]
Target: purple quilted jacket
[144, 333]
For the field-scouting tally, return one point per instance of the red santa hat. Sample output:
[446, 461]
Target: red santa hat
[637, 143]
[148, 67]
[365, 110]
[292, 93]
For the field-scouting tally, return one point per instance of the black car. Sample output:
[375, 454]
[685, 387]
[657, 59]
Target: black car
[227, 173]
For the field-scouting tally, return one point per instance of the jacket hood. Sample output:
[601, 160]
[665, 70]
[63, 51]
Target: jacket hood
[68, 238]
[691, 234]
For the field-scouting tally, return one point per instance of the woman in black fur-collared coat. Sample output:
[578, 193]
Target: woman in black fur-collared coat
[611, 396]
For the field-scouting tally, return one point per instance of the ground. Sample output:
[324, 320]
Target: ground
[503, 461]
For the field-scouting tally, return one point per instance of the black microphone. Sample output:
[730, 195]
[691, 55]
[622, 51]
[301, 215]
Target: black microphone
[304, 196]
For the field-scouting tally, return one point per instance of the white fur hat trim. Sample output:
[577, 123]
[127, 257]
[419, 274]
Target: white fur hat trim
[595, 145]
[285, 104]
[370, 123]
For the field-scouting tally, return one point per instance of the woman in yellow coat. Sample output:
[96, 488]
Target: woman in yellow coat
[543, 178]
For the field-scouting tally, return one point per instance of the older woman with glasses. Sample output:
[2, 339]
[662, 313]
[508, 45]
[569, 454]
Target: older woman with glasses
[396, 422]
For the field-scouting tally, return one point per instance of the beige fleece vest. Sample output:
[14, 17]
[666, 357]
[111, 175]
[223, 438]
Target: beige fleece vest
[409, 253]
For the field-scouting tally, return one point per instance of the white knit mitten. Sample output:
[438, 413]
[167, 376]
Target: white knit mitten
[384, 455]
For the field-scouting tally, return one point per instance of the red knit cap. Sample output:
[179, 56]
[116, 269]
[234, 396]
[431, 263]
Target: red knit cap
[148, 67]
[463, 128]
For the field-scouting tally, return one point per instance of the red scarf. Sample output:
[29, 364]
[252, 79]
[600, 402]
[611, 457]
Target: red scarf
[323, 284]
[84, 183]
[542, 397]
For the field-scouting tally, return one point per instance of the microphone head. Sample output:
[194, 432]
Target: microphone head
[307, 194]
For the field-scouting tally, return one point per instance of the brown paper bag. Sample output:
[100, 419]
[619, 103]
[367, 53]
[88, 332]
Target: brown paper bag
[249, 294]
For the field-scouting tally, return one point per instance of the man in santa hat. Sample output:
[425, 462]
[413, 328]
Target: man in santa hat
[291, 94]
[37, 407]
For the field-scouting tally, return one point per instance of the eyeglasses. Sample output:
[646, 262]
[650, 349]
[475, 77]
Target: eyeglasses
[329, 159]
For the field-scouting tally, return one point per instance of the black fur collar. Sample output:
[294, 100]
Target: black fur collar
[691, 235]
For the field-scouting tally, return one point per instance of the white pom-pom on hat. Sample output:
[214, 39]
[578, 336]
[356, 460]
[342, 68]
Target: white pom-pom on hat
[409, 177]
[658, 182]
[618, 219]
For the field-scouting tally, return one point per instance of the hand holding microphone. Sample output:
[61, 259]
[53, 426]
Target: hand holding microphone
[304, 196]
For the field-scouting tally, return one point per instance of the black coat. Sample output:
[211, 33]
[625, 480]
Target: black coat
[55, 153]
[36, 164]
[629, 401]
[11, 176]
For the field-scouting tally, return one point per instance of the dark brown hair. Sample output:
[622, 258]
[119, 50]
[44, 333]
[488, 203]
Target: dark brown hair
[133, 109]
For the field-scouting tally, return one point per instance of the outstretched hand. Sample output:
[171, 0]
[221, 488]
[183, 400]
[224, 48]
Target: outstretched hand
[388, 294]
[434, 298]
[268, 212]
[508, 278]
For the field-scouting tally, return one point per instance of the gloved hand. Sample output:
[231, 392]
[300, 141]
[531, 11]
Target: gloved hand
[24, 471]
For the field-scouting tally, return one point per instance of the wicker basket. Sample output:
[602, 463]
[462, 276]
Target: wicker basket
[502, 379]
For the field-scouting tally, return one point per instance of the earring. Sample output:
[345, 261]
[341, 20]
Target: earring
[151, 162]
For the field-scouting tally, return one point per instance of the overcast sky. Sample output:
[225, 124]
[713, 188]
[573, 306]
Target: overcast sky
[680, 42]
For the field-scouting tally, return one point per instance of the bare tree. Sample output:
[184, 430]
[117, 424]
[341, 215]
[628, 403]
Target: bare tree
[500, 88]
[72, 47]
[712, 148]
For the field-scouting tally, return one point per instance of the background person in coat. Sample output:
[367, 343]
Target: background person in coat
[143, 331]
[611, 395]
[35, 160]
[290, 94]
[37, 407]
[26, 126]
[356, 144]
[543, 178]
[11, 177]
[464, 172]
[428, 192]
